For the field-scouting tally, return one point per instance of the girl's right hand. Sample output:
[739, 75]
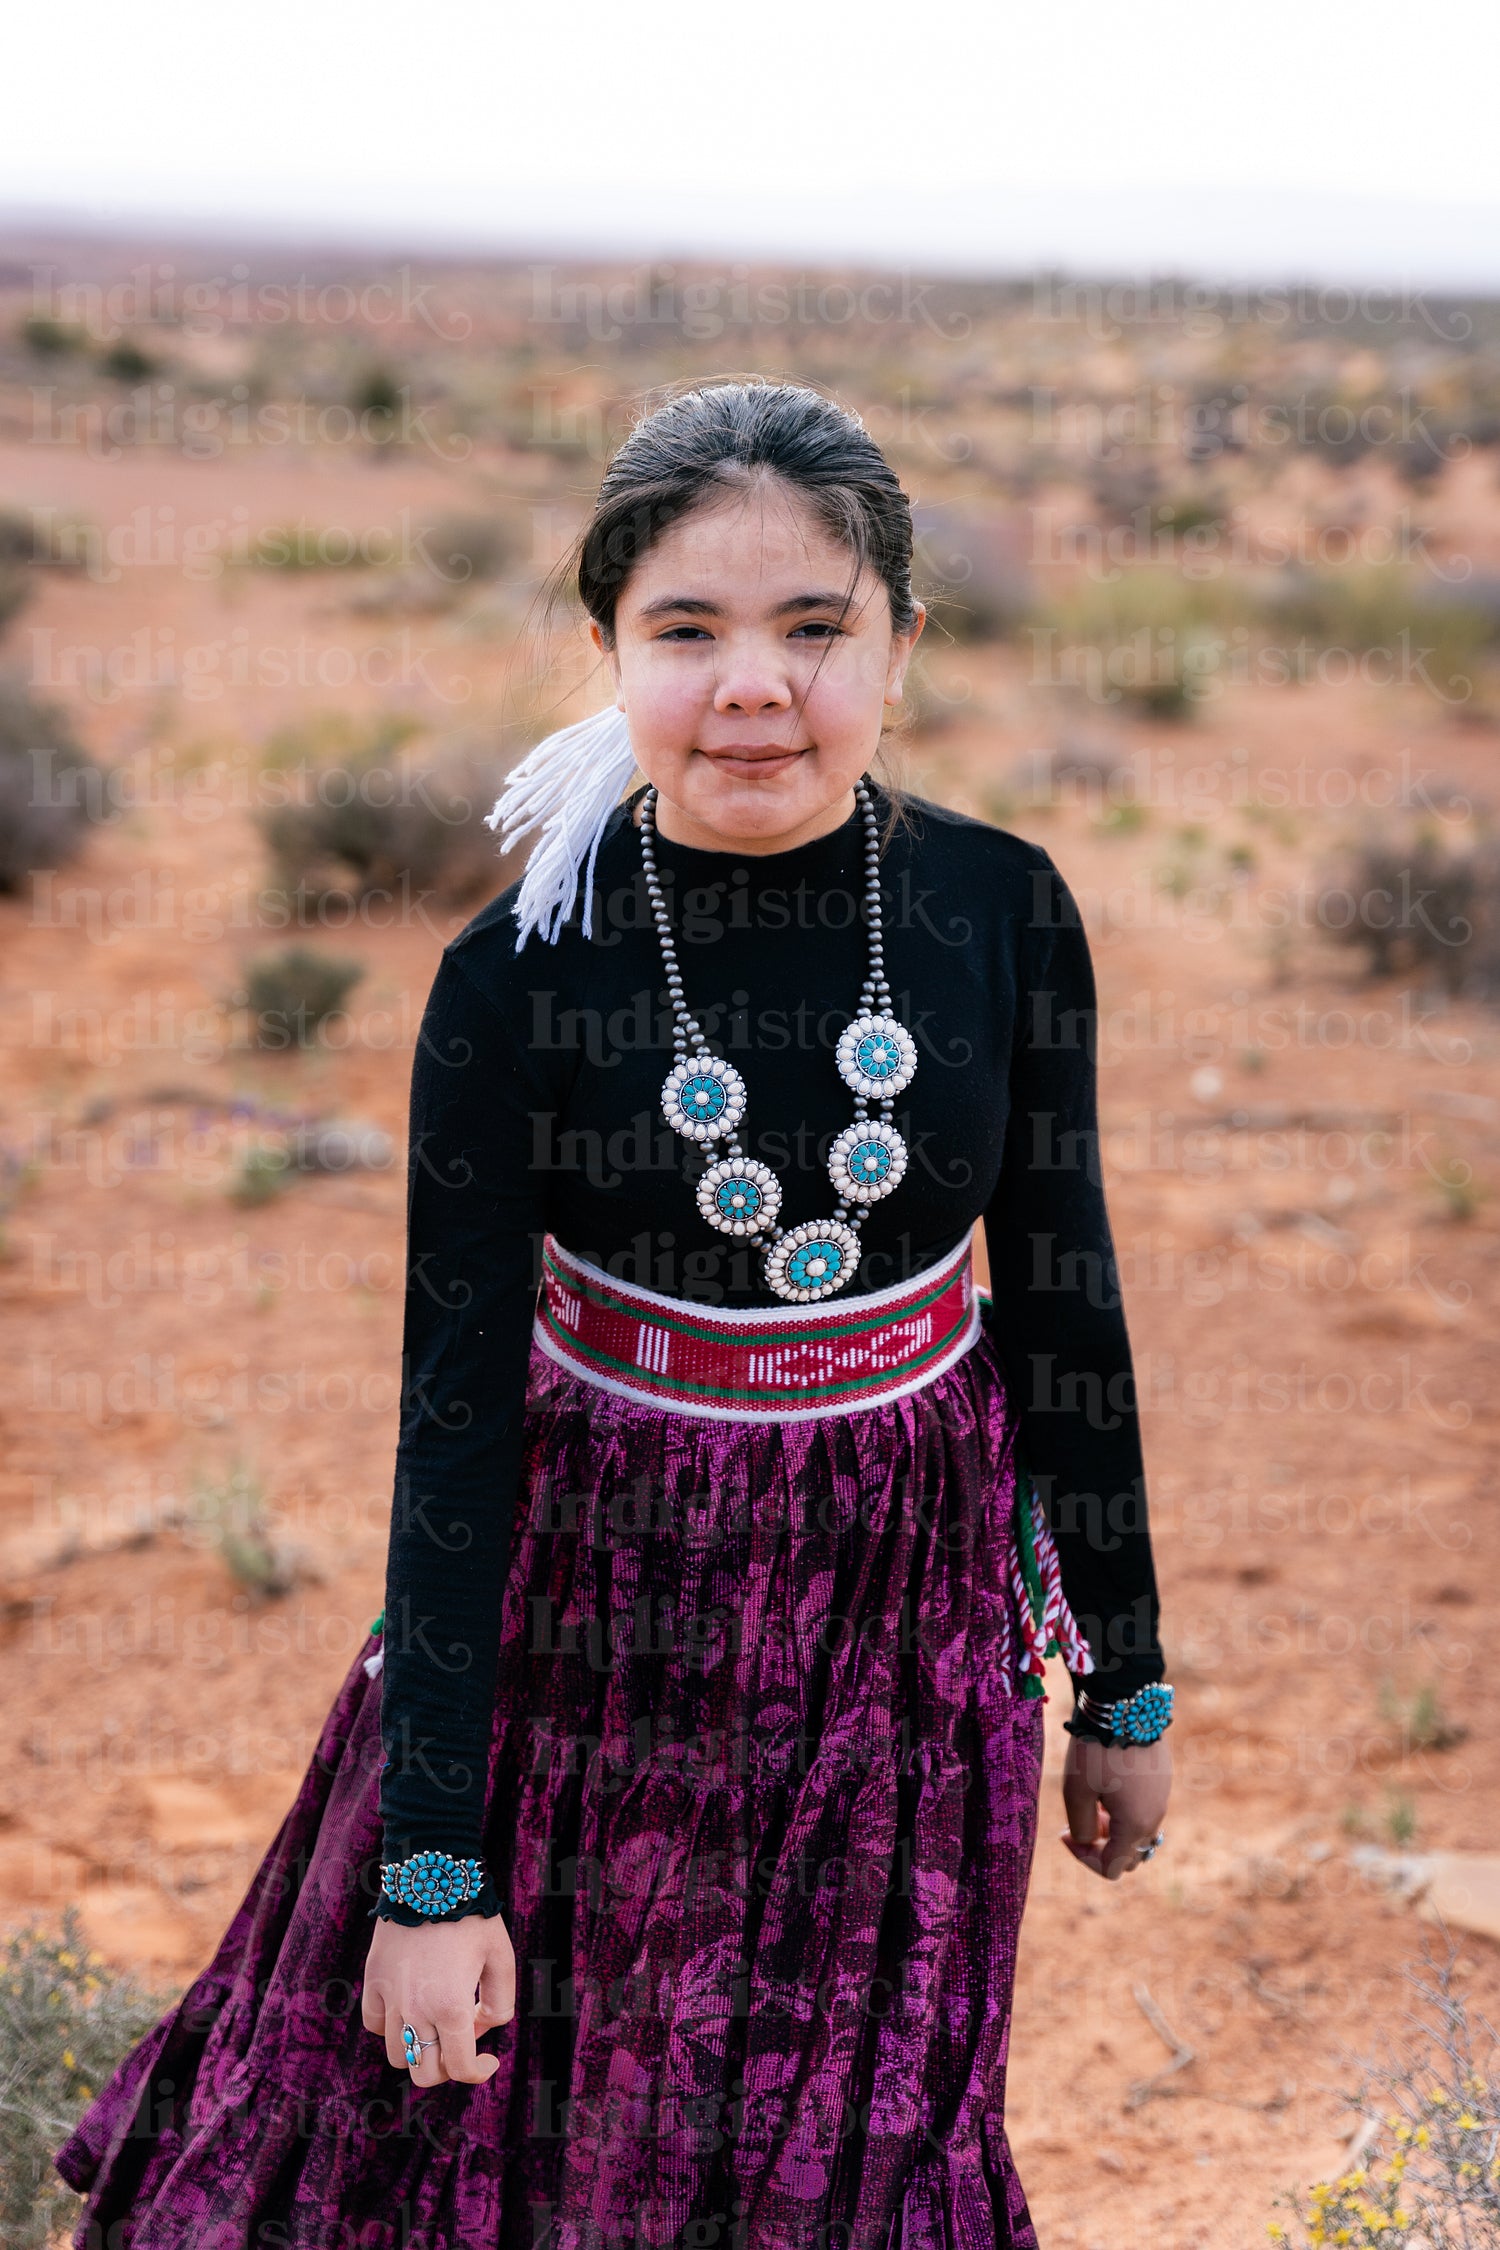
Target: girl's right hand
[1115, 1796]
[451, 1980]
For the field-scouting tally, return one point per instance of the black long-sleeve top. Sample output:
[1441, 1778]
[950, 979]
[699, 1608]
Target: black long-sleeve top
[536, 1107]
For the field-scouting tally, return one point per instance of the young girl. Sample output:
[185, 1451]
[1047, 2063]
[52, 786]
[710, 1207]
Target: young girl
[691, 1780]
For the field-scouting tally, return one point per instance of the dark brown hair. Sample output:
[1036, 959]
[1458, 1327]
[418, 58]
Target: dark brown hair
[705, 443]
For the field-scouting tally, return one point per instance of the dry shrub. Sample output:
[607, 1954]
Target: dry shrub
[1149, 641]
[230, 1514]
[51, 790]
[1426, 633]
[363, 821]
[65, 2023]
[310, 547]
[1420, 906]
[292, 993]
[468, 546]
[44, 538]
[1425, 2169]
[16, 590]
[968, 565]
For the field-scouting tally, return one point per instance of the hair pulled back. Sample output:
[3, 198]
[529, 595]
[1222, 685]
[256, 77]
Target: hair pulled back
[722, 438]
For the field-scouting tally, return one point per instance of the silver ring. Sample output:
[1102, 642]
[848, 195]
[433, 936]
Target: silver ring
[1144, 1851]
[414, 2044]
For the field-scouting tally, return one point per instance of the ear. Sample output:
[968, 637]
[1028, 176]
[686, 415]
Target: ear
[611, 658]
[902, 645]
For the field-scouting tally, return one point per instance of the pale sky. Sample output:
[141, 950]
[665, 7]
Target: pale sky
[1291, 134]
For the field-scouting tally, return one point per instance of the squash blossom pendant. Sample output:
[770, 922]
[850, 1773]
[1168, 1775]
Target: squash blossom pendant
[704, 1099]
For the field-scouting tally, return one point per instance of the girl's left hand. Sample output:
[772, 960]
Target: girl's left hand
[1115, 1796]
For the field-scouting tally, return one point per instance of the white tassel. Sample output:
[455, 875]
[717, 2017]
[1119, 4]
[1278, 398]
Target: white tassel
[568, 786]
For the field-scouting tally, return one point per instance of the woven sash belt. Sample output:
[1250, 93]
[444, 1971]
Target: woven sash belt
[793, 1363]
[797, 1363]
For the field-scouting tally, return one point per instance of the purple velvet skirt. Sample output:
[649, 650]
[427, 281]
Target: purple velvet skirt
[763, 1808]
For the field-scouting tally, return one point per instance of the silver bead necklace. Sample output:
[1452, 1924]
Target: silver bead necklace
[704, 1099]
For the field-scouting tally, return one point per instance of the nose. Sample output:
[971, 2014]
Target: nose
[750, 681]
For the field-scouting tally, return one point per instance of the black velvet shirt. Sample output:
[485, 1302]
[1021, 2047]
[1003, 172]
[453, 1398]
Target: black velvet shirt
[536, 1107]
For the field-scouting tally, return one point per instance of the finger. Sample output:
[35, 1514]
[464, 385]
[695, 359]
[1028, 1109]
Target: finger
[1123, 1855]
[372, 2009]
[460, 2059]
[395, 2047]
[1090, 1856]
[497, 1990]
[1082, 1806]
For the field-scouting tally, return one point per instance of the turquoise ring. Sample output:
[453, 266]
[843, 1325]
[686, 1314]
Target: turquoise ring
[413, 2045]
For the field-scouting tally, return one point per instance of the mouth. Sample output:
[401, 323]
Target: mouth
[754, 757]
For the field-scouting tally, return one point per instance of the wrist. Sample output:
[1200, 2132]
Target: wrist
[434, 1886]
[1140, 1717]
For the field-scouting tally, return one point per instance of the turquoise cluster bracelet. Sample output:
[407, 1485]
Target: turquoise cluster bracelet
[432, 1882]
[1142, 1717]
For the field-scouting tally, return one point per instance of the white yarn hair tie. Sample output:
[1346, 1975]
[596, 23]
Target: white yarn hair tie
[567, 786]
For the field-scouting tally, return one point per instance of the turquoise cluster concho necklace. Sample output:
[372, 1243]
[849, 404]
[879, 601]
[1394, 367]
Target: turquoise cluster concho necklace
[704, 1100]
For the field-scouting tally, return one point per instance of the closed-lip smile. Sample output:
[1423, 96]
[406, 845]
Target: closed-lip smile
[754, 750]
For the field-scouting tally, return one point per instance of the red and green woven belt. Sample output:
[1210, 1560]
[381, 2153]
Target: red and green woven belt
[801, 1363]
[793, 1363]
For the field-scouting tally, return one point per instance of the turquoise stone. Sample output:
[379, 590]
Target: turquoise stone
[702, 1097]
[878, 1055]
[738, 1199]
[827, 1257]
[433, 1882]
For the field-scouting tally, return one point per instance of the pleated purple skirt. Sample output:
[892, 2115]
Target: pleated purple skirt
[763, 1809]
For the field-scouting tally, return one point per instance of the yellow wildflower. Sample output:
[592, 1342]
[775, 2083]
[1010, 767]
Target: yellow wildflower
[1468, 2121]
[68, 2062]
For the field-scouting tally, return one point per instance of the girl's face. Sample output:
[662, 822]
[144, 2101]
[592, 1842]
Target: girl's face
[754, 695]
